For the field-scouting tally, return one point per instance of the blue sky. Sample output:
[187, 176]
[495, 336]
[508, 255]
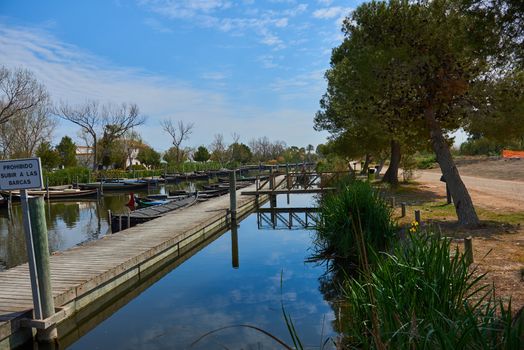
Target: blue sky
[249, 67]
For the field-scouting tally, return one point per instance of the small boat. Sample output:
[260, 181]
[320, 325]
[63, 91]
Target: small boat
[114, 186]
[71, 193]
[122, 221]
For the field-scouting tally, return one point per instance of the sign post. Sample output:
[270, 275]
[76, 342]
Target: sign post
[24, 174]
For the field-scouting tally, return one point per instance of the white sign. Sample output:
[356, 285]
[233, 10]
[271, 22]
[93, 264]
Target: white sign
[20, 174]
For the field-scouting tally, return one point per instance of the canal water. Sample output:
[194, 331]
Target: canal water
[210, 290]
[69, 223]
[207, 293]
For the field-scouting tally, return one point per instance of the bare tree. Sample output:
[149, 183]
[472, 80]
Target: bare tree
[218, 149]
[19, 91]
[21, 134]
[235, 137]
[179, 133]
[113, 121]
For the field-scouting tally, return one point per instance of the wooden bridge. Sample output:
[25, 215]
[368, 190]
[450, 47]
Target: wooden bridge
[295, 183]
[287, 218]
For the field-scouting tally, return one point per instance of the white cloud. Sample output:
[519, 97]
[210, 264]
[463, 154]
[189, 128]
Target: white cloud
[214, 76]
[74, 75]
[156, 25]
[209, 14]
[332, 12]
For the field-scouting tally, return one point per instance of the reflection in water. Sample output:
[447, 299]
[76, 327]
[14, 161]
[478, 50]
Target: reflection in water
[205, 293]
[69, 223]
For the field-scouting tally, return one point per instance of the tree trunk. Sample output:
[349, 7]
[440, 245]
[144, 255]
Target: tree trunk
[391, 175]
[366, 165]
[463, 205]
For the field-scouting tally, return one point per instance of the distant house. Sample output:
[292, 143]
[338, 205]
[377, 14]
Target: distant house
[84, 155]
[132, 155]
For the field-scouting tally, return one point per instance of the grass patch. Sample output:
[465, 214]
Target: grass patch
[423, 295]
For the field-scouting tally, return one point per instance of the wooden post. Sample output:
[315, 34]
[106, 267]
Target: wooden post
[417, 216]
[233, 196]
[468, 250]
[234, 246]
[41, 248]
[128, 219]
[109, 220]
[101, 187]
[403, 209]
[257, 182]
[393, 204]
[47, 187]
[119, 222]
[271, 179]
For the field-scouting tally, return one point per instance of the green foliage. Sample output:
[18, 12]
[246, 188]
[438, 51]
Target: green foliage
[425, 297]
[68, 175]
[240, 153]
[173, 155]
[201, 155]
[425, 160]
[149, 157]
[408, 163]
[48, 156]
[355, 205]
[67, 151]
[500, 122]
[481, 146]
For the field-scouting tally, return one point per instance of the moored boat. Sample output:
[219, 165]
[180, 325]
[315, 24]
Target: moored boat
[70, 193]
[114, 186]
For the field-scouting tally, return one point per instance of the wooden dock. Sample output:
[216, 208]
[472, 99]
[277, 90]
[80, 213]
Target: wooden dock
[86, 274]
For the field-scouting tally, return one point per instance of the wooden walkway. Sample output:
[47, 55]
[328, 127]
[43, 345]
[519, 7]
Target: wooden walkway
[83, 274]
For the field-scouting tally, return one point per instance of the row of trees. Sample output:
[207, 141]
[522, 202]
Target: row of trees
[410, 72]
[27, 121]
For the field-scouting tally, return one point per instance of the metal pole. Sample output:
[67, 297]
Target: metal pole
[41, 247]
[33, 274]
[233, 196]
[47, 186]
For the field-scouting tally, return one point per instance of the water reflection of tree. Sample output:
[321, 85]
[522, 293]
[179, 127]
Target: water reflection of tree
[331, 286]
[16, 252]
[69, 213]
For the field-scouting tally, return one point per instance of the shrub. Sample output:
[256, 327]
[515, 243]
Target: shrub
[356, 204]
[422, 296]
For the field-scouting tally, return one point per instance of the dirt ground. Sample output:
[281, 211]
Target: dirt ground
[490, 168]
[498, 244]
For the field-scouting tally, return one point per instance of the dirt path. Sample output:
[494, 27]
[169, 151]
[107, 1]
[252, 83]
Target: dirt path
[488, 193]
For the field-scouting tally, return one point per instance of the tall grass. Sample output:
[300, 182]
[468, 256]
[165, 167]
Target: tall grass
[424, 296]
[355, 204]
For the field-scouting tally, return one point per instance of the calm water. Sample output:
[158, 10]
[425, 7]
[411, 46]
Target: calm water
[68, 223]
[205, 293]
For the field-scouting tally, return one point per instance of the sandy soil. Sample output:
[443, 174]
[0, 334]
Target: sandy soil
[490, 167]
[498, 245]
